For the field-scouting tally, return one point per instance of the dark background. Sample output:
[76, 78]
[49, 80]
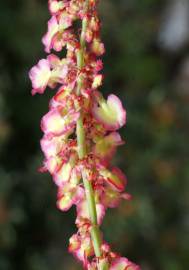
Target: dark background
[147, 65]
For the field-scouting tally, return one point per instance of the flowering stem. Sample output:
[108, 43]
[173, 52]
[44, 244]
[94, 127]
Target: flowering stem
[96, 129]
[95, 232]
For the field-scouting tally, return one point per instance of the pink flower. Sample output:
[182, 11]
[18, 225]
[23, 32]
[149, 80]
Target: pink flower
[97, 47]
[59, 69]
[97, 81]
[54, 60]
[52, 164]
[101, 264]
[62, 176]
[68, 172]
[52, 146]
[68, 196]
[40, 76]
[74, 243]
[64, 71]
[82, 211]
[123, 264]
[105, 146]
[56, 6]
[53, 38]
[49, 72]
[55, 123]
[60, 98]
[111, 113]
[110, 198]
[115, 178]
[65, 20]
[53, 28]
[81, 246]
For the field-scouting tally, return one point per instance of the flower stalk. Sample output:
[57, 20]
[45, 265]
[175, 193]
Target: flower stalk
[80, 129]
[95, 232]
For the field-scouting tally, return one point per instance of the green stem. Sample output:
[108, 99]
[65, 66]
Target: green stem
[95, 232]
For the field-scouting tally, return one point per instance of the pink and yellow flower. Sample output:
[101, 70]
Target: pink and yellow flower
[105, 146]
[82, 211]
[69, 195]
[81, 246]
[110, 113]
[53, 28]
[56, 6]
[115, 178]
[57, 122]
[56, 27]
[52, 146]
[40, 76]
[123, 264]
[97, 47]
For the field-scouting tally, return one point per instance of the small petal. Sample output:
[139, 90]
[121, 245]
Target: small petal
[53, 60]
[86, 250]
[111, 113]
[65, 21]
[56, 123]
[52, 164]
[74, 243]
[53, 28]
[55, 6]
[114, 178]
[52, 123]
[60, 98]
[110, 198]
[97, 81]
[123, 264]
[65, 202]
[105, 147]
[39, 76]
[82, 211]
[81, 246]
[69, 195]
[52, 146]
[88, 35]
[97, 47]
[62, 176]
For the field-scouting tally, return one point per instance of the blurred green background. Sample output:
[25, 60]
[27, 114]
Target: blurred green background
[147, 65]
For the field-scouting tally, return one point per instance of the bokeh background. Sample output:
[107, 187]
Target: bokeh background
[147, 65]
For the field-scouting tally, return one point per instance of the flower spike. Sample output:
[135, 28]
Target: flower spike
[80, 129]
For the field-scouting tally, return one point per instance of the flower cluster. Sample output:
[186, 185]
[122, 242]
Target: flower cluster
[80, 129]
